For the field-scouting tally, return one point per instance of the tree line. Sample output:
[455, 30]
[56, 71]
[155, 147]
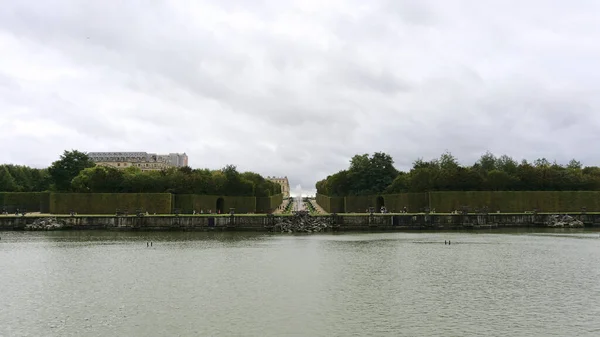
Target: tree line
[75, 172]
[376, 174]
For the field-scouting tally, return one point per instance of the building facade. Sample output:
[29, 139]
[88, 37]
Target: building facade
[285, 185]
[142, 160]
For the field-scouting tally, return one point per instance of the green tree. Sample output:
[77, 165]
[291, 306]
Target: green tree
[338, 184]
[135, 181]
[262, 187]
[186, 170]
[68, 167]
[22, 177]
[420, 163]
[400, 184]
[445, 173]
[369, 175]
[422, 179]
[98, 179]
[321, 187]
[498, 180]
[574, 165]
[487, 162]
[467, 179]
[507, 164]
[446, 178]
[541, 162]
[7, 181]
[202, 182]
[448, 161]
[528, 177]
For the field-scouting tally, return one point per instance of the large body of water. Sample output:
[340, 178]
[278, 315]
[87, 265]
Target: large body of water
[495, 283]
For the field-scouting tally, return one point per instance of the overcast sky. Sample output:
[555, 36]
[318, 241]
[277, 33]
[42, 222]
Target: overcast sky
[296, 88]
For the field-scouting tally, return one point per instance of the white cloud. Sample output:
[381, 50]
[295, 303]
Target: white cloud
[297, 87]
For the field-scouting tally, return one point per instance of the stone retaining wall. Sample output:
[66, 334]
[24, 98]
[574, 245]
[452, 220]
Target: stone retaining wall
[341, 222]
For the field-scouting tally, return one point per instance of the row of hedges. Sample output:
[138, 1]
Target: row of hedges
[108, 203]
[241, 204]
[412, 201]
[164, 203]
[159, 203]
[394, 203]
[331, 204]
[263, 204]
[337, 204]
[268, 204]
[275, 201]
[187, 203]
[359, 203]
[25, 201]
[444, 202]
[324, 201]
[517, 201]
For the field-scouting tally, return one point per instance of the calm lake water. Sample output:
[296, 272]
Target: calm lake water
[487, 283]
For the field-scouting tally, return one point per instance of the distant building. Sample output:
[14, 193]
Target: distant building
[285, 185]
[142, 160]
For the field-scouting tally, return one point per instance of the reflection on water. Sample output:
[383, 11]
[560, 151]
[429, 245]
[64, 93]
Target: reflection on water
[487, 283]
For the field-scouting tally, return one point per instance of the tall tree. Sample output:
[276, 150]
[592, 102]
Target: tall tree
[574, 165]
[98, 179]
[7, 181]
[507, 164]
[448, 161]
[487, 162]
[68, 167]
[446, 174]
[399, 185]
[368, 175]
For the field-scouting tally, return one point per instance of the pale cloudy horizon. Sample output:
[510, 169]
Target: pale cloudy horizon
[296, 88]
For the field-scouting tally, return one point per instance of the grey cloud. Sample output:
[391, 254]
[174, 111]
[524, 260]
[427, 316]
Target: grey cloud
[7, 82]
[357, 77]
[411, 12]
[298, 88]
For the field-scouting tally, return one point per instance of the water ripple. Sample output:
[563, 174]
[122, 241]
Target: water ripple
[386, 284]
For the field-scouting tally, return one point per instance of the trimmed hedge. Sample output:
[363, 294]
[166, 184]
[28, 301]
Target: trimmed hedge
[360, 203]
[331, 204]
[27, 201]
[414, 202]
[108, 203]
[395, 203]
[187, 203]
[337, 205]
[324, 201]
[241, 204]
[268, 204]
[276, 200]
[263, 204]
[165, 203]
[445, 202]
[517, 201]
